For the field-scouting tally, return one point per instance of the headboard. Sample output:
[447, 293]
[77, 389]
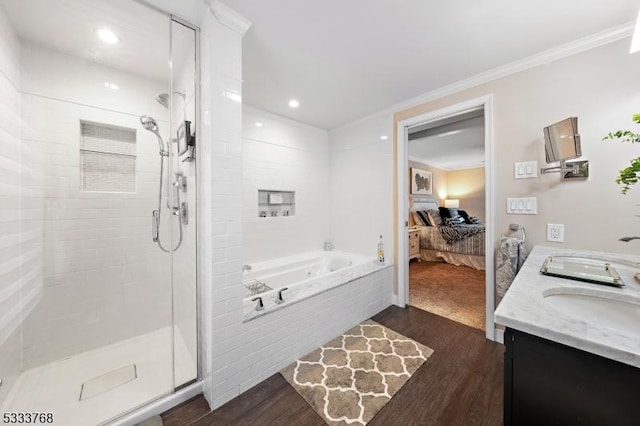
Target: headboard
[418, 204]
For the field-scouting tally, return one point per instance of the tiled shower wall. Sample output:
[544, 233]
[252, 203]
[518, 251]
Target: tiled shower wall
[104, 279]
[11, 233]
[285, 155]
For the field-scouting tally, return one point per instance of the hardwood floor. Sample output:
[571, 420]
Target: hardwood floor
[461, 384]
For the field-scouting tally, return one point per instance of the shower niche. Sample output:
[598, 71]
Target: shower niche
[276, 203]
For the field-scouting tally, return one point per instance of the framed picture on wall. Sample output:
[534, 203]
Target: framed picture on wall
[421, 182]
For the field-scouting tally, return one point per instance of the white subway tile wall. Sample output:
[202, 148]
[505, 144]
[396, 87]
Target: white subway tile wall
[361, 187]
[11, 232]
[287, 156]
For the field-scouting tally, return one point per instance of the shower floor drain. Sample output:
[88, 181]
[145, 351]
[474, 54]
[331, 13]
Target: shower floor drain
[108, 381]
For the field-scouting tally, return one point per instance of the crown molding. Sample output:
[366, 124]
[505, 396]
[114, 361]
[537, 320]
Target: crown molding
[545, 57]
[229, 17]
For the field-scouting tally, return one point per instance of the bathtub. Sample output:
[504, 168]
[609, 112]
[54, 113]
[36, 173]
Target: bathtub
[303, 276]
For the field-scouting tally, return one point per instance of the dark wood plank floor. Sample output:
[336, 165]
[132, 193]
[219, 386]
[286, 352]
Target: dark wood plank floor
[461, 384]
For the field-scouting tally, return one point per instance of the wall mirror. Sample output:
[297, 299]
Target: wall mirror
[562, 143]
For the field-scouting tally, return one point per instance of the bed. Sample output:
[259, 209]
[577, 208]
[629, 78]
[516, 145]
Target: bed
[464, 244]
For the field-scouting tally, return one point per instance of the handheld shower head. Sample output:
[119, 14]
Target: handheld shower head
[149, 123]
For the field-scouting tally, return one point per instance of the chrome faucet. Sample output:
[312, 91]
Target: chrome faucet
[260, 305]
[246, 268]
[280, 300]
[328, 246]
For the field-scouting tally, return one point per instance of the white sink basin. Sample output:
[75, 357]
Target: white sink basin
[618, 313]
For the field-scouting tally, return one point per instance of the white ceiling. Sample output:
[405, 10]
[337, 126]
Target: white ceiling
[70, 26]
[347, 59]
[452, 144]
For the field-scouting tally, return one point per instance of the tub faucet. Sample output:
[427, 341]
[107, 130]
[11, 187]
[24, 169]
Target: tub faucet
[328, 246]
[280, 300]
[627, 239]
[246, 268]
[260, 305]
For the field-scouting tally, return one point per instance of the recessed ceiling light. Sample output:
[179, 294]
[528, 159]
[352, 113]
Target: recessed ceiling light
[294, 104]
[258, 124]
[111, 86]
[107, 36]
[384, 137]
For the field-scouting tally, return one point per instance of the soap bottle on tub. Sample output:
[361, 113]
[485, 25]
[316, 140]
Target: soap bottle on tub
[380, 251]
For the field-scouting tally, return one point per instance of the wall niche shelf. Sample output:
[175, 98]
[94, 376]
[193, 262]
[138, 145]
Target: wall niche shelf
[276, 203]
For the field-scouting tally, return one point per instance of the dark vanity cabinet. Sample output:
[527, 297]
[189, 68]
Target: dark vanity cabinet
[547, 383]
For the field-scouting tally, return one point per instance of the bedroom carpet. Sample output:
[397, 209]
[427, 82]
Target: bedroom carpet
[349, 379]
[454, 292]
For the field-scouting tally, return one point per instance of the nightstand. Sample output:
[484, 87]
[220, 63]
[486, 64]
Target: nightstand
[414, 243]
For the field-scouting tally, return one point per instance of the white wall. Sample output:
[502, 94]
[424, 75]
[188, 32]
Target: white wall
[467, 185]
[290, 156]
[599, 87]
[104, 279]
[361, 185]
[11, 233]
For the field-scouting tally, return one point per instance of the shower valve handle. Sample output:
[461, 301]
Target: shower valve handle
[155, 225]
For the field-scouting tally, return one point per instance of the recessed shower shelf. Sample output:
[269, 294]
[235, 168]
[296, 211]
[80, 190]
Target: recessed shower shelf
[276, 203]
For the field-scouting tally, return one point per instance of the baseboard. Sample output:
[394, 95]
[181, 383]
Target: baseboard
[499, 333]
[394, 300]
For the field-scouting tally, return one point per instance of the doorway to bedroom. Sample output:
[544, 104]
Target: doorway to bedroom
[445, 213]
[446, 169]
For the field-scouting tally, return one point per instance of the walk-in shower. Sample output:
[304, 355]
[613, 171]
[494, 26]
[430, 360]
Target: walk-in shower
[95, 320]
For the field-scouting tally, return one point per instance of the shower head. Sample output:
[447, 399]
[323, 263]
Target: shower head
[163, 99]
[149, 123]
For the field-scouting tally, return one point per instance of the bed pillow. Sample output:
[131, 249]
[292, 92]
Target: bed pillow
[417, 220]
[434, 217]
[424, 217]
[454, 221]
[475, 220]
[465, 215]
[445, 212]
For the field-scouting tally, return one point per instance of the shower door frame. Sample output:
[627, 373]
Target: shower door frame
[197, 150]
[190, 389]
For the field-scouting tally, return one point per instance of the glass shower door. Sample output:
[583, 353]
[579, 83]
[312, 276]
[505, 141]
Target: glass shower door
[101, 223]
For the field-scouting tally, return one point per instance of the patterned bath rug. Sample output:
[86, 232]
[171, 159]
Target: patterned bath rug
[349, 379]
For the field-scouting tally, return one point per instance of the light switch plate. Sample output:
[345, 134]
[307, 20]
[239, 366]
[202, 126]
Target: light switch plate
[522, 205]
[525, 170]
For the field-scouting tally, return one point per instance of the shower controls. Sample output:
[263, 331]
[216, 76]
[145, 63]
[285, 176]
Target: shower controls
[155, 225]
[183, 213]
[280, 300]
[180, 182]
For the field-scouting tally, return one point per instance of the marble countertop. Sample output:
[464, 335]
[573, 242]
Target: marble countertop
[524, 308]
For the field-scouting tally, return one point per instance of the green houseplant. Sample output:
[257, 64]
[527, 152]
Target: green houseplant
[629, 175]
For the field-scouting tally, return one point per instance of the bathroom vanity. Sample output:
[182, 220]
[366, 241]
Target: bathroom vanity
[572, 348]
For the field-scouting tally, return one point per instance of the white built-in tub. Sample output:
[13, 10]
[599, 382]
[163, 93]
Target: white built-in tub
[303, 275]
